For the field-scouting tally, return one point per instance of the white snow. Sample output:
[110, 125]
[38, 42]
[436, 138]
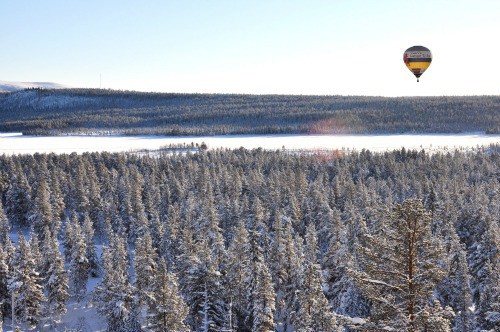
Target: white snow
[356, 320]
[6, 86]
[14, 144]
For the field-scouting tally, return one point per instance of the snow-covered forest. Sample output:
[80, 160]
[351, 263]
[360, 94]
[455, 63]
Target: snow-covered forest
[53, 112]
[252, 240]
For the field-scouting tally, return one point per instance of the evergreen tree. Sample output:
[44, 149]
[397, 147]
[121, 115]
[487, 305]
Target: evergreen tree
[69, 236]
[41, 214]
[35, 251]
[488, 309]
[159, 237]
[167, 309]
[113, 296]
[237, 277]
[285, 266]
[484, 265]
[57, 200]
[79, 264]
[202, 287]
[455, 289]
[80, 194]
[344, 296]
[139, 223]
[435, 318]
[401, 267]
[24, 285]
[56, 280]
[88, 237]
[145, 269]
[314, 313]
[260, 293]
[4, 226]
[19, 201]
[4, 283]
[208, 228]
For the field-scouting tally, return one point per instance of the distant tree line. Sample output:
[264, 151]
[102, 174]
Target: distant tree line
[240, 240]
[54, 112]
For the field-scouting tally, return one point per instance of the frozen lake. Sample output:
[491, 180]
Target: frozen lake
[12, 143]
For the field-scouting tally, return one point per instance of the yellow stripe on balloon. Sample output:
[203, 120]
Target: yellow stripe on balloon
[418, 65]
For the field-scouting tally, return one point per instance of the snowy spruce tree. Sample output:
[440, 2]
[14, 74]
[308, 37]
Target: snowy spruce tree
[238, 277]
[314, 313]
[69, 236]
[4, 283]
[25, 285]
[41, 214]
[285, 267]
[344, 296]
[145, 265]
[454, 290]
[485, 267]
[88, 236]
[488, 310]
[55, 278]
[167, 310]
[113, 296]
[79, 264]
[260, 293]
[202, 287]
[18, 199]
[4, 226]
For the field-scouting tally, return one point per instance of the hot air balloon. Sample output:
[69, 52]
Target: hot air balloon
[417, 59]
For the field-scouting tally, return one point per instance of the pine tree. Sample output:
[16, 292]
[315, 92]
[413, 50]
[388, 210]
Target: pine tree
[57, 200]
[237, 277]
[35, 251]
[41, 214]
[8, 254]
[455, 289]
[435, 318]
[80, 190]
[484, 265]
[208, 228]
[79, 264]
[88, 237]
[488, 310]
[202, 287]
[159, 238]
[4, 226]
[113, 296]
[69, 236]
[139, 223]
[56, 280]
[285, 267]
[24, 285]
[145, 268]
[19, 201]
[167, 309]
[401, 267]
[344, 296]
[260, 293]
[314, 313]
[4, 283]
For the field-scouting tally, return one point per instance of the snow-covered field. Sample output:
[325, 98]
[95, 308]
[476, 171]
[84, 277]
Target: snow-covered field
[6, 86]
[17, 143]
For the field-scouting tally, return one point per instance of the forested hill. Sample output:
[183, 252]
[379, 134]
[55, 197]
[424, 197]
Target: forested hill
[39, 111]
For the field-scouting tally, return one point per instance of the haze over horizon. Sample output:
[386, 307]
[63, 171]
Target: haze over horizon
[272, 47]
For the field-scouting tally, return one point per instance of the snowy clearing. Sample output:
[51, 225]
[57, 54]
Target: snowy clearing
[18, 144]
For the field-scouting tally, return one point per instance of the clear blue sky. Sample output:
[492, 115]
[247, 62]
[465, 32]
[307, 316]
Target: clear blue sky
[292, 47]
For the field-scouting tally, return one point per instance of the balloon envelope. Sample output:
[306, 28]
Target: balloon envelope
[417, 59]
